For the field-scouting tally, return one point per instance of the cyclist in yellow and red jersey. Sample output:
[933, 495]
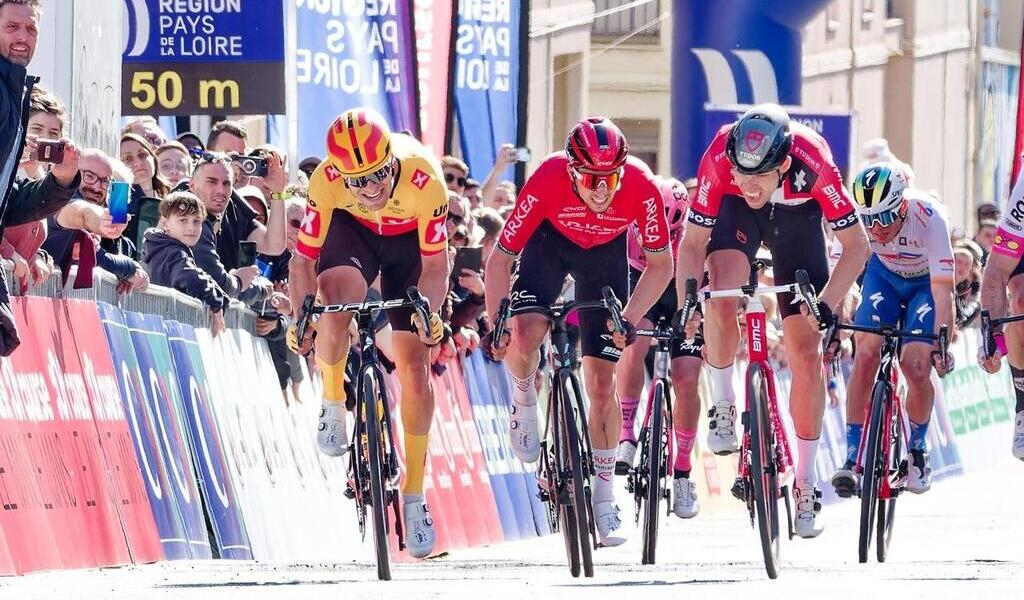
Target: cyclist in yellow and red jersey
[377, 205]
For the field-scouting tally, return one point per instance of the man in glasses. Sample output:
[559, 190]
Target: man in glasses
[908, 280]
[377, 206]
[572, 218]
[764, 179]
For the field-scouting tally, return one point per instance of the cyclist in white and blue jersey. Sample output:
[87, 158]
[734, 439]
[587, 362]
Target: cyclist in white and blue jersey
[908, 281]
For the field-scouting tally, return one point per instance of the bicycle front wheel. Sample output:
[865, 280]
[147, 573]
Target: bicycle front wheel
[580, 483]
[374, 460]
[887, 506]
[762, 468]
[874, 469]
[655, 454]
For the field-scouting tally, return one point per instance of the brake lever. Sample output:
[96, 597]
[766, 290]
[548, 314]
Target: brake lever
[614, 307]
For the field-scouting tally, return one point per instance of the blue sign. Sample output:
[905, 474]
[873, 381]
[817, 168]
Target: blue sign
[732, 52]
[219, 497]
[141, 423]
[834, 127]
[349, 55]
[487, 66]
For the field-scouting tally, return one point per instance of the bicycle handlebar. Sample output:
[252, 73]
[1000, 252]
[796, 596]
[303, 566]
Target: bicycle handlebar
[415, 299]
[609, 302]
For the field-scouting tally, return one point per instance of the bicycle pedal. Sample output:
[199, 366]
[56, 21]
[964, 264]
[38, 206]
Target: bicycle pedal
[739, 489]
[350, 493]
[745, 419]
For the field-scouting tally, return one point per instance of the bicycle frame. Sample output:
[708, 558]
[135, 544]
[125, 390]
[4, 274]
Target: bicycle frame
[888, 376]
[662, 371]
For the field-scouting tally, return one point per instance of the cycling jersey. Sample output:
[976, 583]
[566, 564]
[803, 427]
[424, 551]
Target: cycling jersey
[418, 202]
[549, 196]
[813, 176]
[634, 243]
[1009, 240]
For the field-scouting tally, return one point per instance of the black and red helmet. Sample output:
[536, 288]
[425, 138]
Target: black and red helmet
[596, 144]
[760, 140]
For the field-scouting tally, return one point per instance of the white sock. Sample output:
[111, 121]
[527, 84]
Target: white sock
[604, 475]
[807, 451]
[524, 390]
[722, 384]
[411, 498]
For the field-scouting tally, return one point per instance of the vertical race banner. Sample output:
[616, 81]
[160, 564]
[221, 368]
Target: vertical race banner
[434, 23]
[1018, 146]
[351, 54]
[487, 69]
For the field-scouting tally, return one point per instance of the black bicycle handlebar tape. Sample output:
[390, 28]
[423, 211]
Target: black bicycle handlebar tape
[810, 296]
[615, 308]
[986, 333]
[943, 342]
[304, 315]
[500, 318]
[420, 304]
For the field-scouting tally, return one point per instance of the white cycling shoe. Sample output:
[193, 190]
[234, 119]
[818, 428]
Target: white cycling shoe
[419, 528]
[722, 429]
[919, 472]
[685, 503]
[808, 506]
[606, 514]
[523, 433]
[332, 430]
[624, 457]
[1018, 436]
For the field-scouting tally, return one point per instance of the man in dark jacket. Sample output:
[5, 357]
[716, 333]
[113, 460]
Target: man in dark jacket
[23, 201]
[167, 254]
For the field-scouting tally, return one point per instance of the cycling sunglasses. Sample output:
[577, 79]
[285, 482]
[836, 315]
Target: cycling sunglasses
[378, 176]
[885, 218]
[593, 181]
[449, 178]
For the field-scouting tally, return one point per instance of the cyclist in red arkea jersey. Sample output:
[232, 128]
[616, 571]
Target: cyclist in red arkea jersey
[766, 180]
[572, 218]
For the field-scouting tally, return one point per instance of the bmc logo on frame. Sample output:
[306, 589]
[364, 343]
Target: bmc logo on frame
[722, 81]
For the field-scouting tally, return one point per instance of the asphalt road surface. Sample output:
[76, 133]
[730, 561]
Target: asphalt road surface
[962, 539]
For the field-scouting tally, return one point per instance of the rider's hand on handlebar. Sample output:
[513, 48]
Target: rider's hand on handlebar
[495, 349]
[292, 338]
[942, 367]
[691, 327]
[433, 332]
[621, 339]
[993, 363]
[826, 315]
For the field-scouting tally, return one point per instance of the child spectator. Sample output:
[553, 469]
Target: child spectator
[167, 254]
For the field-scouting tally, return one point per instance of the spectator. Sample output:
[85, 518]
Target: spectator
[268, 152]
[192, 142]
[967, 273]
[985, 236]
[256, 202]
[455, 174]
[877, 150]
[167, 254]
[308, 165]
[988, 211]
[456, 213]
[147, 128]
[474, 194]
[229, 137]
[506, 158]
[490, 223]
[503, 198]
[23, 201]
[45, 122]
[174, 163]
[147, 186]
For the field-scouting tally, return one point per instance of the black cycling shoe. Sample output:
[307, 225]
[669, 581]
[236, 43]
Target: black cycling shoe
[846, 481]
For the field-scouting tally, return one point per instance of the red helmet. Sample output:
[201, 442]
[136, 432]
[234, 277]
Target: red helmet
[676, 200]
[596, 144]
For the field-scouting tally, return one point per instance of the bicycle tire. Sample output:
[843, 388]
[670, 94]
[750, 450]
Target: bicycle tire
[872, 470]
[655, 457]
[887, 506]
[762, 470]
[575, 454]
[371, 392]
[566, 511]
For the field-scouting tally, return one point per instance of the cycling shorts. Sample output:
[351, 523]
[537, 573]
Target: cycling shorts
[888, 299]
[665, 308]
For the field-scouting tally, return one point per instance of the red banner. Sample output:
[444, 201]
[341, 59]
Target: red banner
[433, 21]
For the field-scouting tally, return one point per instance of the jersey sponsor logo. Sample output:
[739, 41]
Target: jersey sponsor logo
[833, 195]
[922, 311]
[651, 225]
[311, 224]
[699, 219]
[876, 299]
[331, 173]
[521, 212]
[441, 211]
[741, 237]
[420, 179]
[437, 231]
[806, 157]
[844, 222]
[1017, 212]
[702, 193]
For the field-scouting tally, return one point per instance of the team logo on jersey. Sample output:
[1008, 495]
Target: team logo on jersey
[331, 173]
[437, 231]
[801, 177]
[420, 179]
[741, 237]
[311, 224]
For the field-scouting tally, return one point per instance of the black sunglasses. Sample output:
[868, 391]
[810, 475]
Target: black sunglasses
[448, 177]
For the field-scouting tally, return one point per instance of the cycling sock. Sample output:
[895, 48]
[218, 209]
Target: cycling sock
[604, 475]
[685, 439]
[415, 462]
[1018, 386]
[807, 450]
[412, 498]
[629, 406]
[722, 383]
[918, 431]
[677, 474]
[853, 433]
[334, 379]
[524, 391]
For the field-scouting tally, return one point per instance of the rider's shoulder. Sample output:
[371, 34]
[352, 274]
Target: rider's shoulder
[410, 153]
[925, 205]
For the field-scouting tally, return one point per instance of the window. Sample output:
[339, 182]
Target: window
[641, 19]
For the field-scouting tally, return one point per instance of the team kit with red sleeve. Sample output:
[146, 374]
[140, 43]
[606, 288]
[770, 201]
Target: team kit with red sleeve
[555, 234]
[790, 224]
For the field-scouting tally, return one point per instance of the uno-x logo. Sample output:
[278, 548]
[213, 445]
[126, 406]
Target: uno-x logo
[420, 179]
[722, 82]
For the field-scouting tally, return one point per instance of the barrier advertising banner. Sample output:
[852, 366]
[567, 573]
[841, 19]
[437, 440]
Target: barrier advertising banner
[164, 400]
[219, 498]
[487, 70]
[193, 58]
[433, 21]
[353, 54]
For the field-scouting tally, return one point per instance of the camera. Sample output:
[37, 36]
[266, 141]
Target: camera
[252, 166]
[50, 151]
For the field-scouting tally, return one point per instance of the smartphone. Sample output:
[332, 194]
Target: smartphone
[246, 253]
[117, 201]
[265, 268]
[470, 257]
[50, 151]
[523, 154]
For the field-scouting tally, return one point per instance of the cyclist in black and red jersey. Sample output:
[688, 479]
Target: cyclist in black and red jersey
[766, 180]
[572, 218]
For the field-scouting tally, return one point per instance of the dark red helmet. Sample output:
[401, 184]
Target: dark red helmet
[596, 144]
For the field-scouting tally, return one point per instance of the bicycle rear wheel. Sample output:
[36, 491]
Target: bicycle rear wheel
[762, 469]
[580, 483]
[655, 459]
[375, 462]
[874, 469]
[887, 506]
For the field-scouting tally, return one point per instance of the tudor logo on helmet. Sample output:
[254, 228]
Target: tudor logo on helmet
[759, 141]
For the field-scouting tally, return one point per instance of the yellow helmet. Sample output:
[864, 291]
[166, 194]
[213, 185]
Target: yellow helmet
[359, 142]
[878, 189]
